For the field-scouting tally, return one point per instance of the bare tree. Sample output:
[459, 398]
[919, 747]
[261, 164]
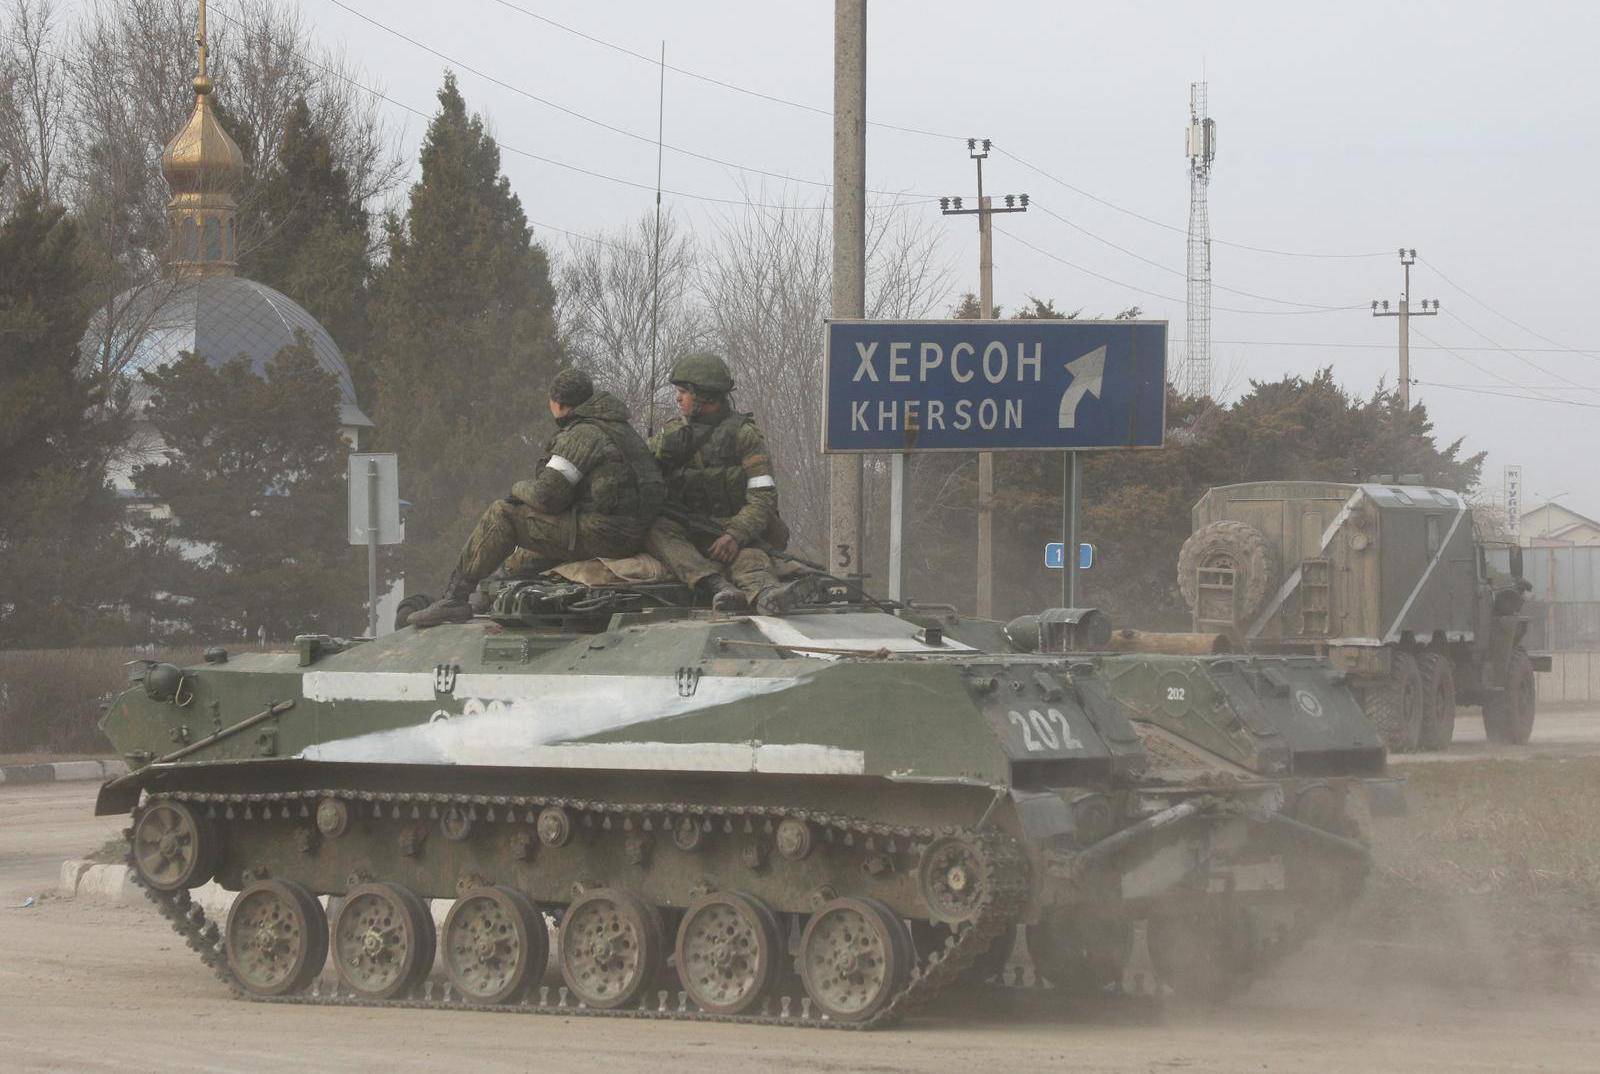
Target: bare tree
[606, 299]
[33, 96]
[766, 286]
[132, 94]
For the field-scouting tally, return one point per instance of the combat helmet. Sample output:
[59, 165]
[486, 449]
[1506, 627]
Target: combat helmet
[703, 373]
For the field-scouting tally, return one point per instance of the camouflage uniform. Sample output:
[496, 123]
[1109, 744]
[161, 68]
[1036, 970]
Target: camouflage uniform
[595, 494]
[718, 471]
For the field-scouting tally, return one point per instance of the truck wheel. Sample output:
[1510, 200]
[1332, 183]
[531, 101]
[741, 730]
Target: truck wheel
[1394, 704]
[1228, 545]
[1508, 716]
[1438, 701]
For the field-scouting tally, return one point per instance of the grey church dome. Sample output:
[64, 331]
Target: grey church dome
[221, 318]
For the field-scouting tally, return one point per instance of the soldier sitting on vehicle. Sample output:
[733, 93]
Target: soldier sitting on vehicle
[722, 501]
[595, 494]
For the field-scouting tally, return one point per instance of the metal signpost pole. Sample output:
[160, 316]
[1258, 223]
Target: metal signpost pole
[849, 253]
[372, 548]
[897, 511]
[1071, 480]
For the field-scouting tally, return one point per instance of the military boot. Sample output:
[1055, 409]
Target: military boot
[725, 596]
[778, 599]
[450, 608]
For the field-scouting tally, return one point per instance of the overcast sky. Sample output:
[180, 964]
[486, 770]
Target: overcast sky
[1463, 129]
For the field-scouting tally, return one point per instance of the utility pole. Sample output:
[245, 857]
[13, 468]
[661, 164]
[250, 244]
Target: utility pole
[849, 255]
[1014, 203]
[1429, 308]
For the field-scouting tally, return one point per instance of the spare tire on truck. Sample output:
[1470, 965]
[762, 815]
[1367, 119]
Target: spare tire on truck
[1237, 560]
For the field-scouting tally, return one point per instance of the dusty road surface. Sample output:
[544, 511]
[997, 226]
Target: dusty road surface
[88, 987]
[1556, 733]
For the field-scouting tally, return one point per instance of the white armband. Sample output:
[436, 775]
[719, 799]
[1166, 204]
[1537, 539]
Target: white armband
[765, 481]
[566, 469]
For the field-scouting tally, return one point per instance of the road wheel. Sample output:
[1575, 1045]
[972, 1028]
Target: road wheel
[1231, 546]
[277, 938]
[729, 952]
[854, 957]
[612, 947]
[495, 944]
[1394, 704]
[383, 940]
[1508, 716]
[1438, 701]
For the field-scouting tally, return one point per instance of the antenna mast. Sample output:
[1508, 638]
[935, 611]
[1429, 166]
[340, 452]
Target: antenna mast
[1202, 149]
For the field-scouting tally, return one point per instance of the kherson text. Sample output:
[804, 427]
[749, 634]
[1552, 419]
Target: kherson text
[902, 362]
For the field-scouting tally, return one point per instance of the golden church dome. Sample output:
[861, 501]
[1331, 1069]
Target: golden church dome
[202, 166]
[201, 158]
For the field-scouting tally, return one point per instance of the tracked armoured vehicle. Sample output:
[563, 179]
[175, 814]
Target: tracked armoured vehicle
[826, 818]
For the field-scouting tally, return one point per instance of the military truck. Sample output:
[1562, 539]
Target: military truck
[1388, 579]
[824, 818]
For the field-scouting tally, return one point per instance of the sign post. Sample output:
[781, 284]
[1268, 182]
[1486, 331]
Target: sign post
[373, 484]
[980, 386]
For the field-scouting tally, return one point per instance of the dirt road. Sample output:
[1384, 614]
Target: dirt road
[1561, 733]
[86, 987]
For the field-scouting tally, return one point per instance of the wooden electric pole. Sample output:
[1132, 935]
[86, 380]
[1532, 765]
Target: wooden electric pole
[978, 150]
[1429, 308]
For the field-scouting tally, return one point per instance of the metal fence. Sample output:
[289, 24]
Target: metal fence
[1564, 604]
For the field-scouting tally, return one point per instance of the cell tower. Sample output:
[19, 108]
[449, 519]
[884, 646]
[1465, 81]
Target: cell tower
[1202, 149]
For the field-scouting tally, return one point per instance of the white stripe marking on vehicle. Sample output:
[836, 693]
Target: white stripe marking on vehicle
[1293, 581]
[1394, 629]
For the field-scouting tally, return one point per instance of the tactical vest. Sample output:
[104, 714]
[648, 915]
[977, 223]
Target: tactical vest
[630, 487]
[704, 472]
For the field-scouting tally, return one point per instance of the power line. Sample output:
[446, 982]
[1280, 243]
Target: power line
[1507, 395]
[1172, 227]
[597, 240]
[506, 147]
[1525, 361]
[1157, 294]
[1482, 369]
[1348, 346]
[585, 118]
[1591, 353]
[710, 80]
[1168, 268]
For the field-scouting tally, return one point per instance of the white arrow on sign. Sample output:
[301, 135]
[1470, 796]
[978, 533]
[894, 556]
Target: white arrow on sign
[1088, 371]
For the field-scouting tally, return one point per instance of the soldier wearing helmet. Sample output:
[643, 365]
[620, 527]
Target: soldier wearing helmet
[595, 493]
[722, 499]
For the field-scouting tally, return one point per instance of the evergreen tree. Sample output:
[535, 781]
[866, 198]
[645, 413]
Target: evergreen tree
[1136, 504]
[60, 545]
[310, 232]
[254, 486]
[463, 341]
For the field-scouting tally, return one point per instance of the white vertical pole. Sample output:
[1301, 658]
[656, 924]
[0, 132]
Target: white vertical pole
[897, 506]
[372, 548]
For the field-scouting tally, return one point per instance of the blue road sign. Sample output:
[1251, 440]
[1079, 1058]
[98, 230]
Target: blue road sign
[1055, 555]
[994, 385]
